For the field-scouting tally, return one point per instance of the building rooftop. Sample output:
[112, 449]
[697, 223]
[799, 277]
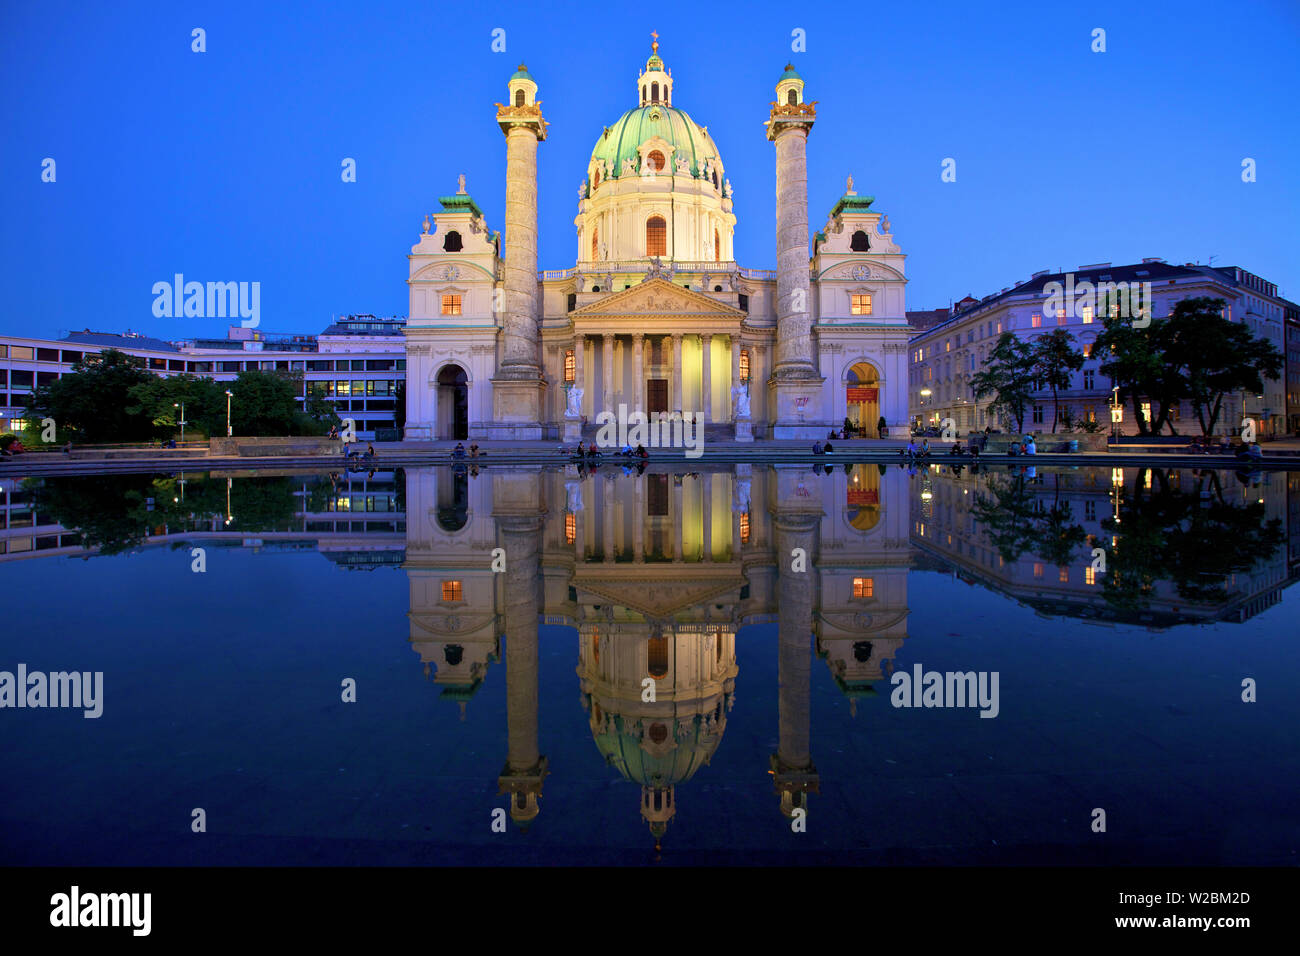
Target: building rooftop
[119, 341]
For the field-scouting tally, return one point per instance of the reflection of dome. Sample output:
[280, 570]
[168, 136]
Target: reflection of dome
[688, 744]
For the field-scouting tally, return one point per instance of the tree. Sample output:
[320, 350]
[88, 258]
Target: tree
[1134, 359]
[1008, 376]
[1055, 359]
[263, 403]
[92, 400]
[160, 399]
[1217, 356]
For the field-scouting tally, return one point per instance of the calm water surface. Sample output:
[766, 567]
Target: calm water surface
[506, 629]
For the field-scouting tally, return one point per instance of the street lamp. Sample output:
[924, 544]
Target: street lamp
[1116, 413]
[228, 394]
[925, 396]
[181, 406]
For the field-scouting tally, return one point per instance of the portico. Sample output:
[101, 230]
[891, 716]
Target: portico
[656, 348]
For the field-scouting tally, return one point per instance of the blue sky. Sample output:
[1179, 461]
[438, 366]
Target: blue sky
[225, 165]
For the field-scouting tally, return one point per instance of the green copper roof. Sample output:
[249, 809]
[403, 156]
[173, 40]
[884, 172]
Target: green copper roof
[624, 752]
[459, 201]
[654, 63]
[790, 73]
[522, 74]
[855, 203]
[634, 127]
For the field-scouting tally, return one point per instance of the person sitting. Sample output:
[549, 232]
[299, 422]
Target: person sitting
[974, 450]
[817, 448]
[1251, 450]
[829, 448]
[1031, 448]
[473, 450]
[1013, 449]
[925, 448]
[641, 451]
[957, 449]
[592, 452]
[370, 451]
[910, 450]
[458, 451]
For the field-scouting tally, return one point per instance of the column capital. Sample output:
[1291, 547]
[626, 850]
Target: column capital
[529, 118]
[706, 336]
[638, 337]
[607, 336]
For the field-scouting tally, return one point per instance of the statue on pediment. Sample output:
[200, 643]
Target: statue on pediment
[740, 401]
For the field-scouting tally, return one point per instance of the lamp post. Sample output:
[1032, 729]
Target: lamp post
[925, 397]
[181, 406]
[229, 393]
[1116, 414]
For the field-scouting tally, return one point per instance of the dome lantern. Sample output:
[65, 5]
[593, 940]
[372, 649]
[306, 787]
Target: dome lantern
[655, 83]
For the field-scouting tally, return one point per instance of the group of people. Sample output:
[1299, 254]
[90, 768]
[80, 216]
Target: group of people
[820, 449]
[459, 450]
[368, 455]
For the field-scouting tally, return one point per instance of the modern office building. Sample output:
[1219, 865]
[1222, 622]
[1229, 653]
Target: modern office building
[357, 363]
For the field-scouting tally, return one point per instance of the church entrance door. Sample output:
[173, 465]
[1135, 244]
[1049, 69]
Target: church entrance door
[656, 395]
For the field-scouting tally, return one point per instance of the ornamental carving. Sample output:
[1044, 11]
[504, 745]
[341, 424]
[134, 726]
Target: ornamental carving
[795, 109]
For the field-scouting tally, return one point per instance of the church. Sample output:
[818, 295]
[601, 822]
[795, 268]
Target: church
[655, 316]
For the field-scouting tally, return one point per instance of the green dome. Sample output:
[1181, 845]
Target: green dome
[790, 73]
[654, 63]
[522, 74]
[634, 127]
[624, 752]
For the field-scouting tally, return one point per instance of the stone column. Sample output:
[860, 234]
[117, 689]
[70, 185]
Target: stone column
[794, 375]
[794, 775]
[677, 373]
[517, 386]
[638, 370]
[607, 366]
[706, 376]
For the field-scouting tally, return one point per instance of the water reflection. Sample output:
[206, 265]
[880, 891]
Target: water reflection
[657, 574]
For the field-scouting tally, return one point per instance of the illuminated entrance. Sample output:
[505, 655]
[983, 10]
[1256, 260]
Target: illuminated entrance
[863, 395]
[862, 509]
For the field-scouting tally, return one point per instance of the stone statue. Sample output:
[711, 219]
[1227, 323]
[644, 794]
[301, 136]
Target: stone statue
[850, 190]
[460, 182]
[731, 193]
[573, 402]
[884, 225]
[609, 282]
[683, 166]
[740, 400]
[629, 167]
[742, 495]
[426, 226]
[574, 491]
[582, 190]
[604, 250]
[582, 283]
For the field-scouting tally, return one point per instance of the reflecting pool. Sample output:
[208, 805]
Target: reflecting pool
[863, 664]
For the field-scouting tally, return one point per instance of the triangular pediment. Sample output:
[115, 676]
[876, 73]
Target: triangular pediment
[658, 598]
[658, 297]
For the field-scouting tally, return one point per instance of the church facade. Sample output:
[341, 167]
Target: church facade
[655, 317]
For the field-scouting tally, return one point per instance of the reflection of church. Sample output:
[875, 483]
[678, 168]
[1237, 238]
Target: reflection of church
[655, 313]
[660, 575]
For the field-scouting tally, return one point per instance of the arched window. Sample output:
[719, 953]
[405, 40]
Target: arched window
[654, 92]
[595, 242]
[643, 96]
[595, 177]
[792, 98]
[717, 246]
[452, 242]
[519, 97]
[715, 179]
[655, 160]
[860, 242]
[657, 654]
[656, 236]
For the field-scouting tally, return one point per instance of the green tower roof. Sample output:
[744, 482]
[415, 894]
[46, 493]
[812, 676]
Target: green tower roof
[522, 74]
[790, 73]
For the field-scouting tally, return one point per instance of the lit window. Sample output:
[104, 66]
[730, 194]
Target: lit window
[1036, 321]
[570, 366]
[744, 527]
[1087, 350]
[1090, 576]
[861, 304]
[452, 591]
[656, 236]
[1038, 570]
[1087, 315]
[657, 657]
[1065, 575]
[863, 587]
[451, 305]
[744, 365]
[570, 527]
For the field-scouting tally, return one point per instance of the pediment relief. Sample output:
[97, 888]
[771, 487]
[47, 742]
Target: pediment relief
[658, 297]
[859, 270]
[661, 598]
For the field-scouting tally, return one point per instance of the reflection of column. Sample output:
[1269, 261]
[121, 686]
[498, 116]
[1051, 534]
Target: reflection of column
[525, 767]
[706, 376]
[579, 346]
[794, 774]
[580, 524]
[607, 386]
[706, 505]
[607, 519]
[677, 516]
[638, 369]
[638, 521]
[677, 373]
